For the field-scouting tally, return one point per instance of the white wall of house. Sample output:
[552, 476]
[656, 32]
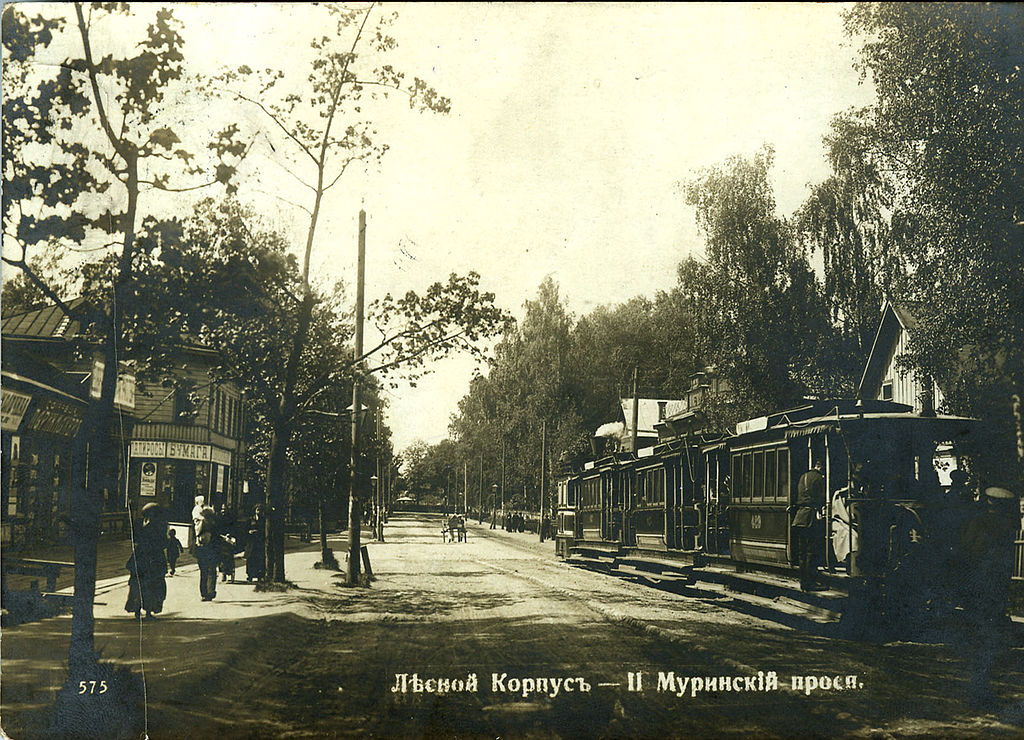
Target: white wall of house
[900, 386]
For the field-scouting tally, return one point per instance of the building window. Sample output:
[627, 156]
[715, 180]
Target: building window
[887, 391]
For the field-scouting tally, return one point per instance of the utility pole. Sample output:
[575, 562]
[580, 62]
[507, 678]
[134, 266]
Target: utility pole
[354, 499]
[543, 476]
[465, 487]
[379, 492]
[503, 476]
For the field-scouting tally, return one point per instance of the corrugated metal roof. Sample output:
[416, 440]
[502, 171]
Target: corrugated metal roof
[49, 321]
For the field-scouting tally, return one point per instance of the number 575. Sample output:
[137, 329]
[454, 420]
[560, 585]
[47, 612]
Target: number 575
[90, 687]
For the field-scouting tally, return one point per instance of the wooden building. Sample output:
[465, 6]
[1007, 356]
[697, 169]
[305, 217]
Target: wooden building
[178, 438]
[883, 378]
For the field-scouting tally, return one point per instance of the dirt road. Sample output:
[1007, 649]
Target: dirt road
[495, 637]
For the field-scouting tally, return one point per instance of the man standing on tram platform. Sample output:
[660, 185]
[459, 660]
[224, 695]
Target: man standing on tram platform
[807, 541]
[986, 551]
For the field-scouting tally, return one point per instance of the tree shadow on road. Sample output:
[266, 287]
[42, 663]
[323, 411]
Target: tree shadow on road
[408, 602]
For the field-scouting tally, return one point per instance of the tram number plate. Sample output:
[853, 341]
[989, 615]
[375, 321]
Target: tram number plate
[755, 521]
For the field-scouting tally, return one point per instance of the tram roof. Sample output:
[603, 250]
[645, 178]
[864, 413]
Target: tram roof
[823, 408]
[817, 416]
[938, 427]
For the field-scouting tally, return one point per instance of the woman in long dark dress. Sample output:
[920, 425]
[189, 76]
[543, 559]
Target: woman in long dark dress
[148, 565]
[255, 554]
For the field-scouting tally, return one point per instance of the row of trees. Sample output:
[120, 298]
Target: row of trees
[96, 163]
[923, 206]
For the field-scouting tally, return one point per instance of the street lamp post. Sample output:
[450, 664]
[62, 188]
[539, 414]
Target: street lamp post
[494, 502]
[375, 518]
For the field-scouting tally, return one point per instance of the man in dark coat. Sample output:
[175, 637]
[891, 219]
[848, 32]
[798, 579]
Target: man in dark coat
[807, 540]
[986, 552]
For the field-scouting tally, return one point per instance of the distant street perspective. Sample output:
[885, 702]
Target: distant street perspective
[512, 370]
[493, 636]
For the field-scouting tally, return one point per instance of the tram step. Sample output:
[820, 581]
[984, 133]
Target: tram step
[587, 562]
[794, 614]
[650, 576]
[665, 565]
[767, 585]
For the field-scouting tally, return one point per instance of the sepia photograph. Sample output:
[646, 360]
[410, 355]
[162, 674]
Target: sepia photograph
[512, 370]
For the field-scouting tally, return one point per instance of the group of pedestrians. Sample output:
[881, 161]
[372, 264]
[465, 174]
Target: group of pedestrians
[217, 540]
[514, 522]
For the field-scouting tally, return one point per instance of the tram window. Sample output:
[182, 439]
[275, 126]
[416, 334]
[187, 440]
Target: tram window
[770, 484]
[659, 486]
[590, 492]
[783, 475]
[748, 480]
[758, 476]
[737, 489]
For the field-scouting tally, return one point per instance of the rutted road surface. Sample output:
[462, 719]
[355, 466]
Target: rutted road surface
[496, 637]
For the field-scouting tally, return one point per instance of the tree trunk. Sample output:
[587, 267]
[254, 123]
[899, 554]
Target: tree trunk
[275, 503]
[326, 556]
[102, 453]
[93, 465]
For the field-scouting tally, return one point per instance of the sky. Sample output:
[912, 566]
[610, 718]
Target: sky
[573, 128]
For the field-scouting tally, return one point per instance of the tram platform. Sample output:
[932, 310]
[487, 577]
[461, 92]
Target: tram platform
[780, 598]
[769, 595]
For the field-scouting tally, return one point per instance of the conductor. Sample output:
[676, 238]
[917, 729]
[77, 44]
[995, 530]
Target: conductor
[810, 498]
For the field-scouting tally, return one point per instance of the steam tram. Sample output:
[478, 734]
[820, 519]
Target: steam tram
[701, 498]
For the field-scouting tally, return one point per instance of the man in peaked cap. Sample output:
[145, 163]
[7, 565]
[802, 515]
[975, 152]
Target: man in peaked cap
[986, 549]
[808, 540]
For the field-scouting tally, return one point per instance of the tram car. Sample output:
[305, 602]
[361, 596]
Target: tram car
[565, 513]
[703, 498]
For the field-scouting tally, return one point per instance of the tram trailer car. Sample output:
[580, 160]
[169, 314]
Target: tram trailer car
[651, 500]
[565, 515]
[887, 528]
[602, 492]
